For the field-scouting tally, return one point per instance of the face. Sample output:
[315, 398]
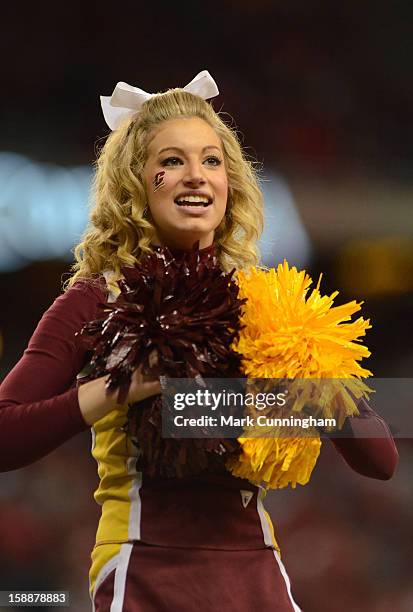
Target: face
[186, 182]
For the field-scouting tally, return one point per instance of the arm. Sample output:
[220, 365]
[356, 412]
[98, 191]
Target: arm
[366, 444]
[39, 407]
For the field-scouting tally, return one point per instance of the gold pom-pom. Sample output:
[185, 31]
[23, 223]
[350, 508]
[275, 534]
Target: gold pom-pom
[286, 334]
[276, 462]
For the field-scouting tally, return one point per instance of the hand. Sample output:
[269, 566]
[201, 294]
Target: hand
[142, 387]
[94, 403]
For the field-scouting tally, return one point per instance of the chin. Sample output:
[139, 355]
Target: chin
[195, 226]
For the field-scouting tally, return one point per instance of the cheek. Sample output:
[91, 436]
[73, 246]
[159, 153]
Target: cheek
[169, 180]
[158, 183]
[221, 187]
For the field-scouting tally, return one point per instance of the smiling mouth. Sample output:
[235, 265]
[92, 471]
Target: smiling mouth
[200, 201]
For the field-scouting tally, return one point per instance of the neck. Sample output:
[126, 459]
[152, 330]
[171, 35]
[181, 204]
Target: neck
[181, 251]
[182, 240]
[181, 245]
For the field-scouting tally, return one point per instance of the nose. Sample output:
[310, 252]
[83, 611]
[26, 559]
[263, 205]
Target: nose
[194, 174]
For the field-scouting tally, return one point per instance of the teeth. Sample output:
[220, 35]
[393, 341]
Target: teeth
[194, 199]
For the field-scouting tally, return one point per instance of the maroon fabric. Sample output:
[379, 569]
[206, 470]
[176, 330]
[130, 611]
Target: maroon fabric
[203, 512]
[162, 579]
[39, 410]
[369, 456]
[104, 594]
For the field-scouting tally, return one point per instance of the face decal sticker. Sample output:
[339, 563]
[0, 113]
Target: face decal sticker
[158, 181]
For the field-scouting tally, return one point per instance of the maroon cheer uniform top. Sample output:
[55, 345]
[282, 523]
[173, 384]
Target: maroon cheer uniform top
[196, 544]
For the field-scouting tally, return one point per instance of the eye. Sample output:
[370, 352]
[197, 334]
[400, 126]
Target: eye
[171, 161]
[213, 161]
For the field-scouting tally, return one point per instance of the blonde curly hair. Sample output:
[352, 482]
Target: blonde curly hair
[119, 234]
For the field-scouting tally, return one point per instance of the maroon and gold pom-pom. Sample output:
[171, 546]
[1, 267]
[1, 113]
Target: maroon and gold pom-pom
[177, 316]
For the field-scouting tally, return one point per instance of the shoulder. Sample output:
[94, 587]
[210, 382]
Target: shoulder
[85, 290]
[76, 305]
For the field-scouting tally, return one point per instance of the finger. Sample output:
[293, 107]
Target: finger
[151, 388]
[146, 379]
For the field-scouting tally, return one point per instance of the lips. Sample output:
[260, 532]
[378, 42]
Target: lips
[192, 204]
[196, 199]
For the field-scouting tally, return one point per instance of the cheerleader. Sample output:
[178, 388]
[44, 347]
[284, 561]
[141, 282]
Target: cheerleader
[170, 174]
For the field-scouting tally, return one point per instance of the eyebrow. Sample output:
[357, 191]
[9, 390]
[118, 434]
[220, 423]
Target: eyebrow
[182, 151]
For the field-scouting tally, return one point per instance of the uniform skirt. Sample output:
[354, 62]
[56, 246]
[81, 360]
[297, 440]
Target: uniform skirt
[158, 579]
[205, 547]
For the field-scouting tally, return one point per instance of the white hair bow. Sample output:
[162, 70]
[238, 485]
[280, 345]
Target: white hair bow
[126, 100]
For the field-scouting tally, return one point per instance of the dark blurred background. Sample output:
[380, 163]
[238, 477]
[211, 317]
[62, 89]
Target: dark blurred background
[322, 96]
